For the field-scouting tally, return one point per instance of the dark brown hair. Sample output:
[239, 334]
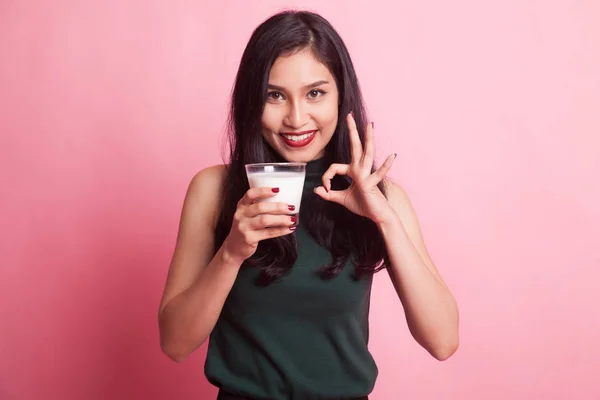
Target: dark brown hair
[342, 232]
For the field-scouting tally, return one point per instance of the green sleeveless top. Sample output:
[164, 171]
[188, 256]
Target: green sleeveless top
[300, 338]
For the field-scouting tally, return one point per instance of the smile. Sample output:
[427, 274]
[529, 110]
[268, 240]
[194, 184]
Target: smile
[299, 139]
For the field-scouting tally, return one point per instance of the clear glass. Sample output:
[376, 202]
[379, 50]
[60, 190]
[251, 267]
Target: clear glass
[288, 177]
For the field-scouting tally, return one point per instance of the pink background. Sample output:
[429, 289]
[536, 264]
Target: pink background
[107, 109]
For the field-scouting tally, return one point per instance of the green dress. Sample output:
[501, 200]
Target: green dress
[300, 338]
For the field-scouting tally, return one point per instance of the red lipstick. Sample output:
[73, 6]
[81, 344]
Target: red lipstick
[298, 142]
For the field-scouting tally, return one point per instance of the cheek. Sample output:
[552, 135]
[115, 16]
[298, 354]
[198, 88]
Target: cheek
[270, 120]
[329, 116]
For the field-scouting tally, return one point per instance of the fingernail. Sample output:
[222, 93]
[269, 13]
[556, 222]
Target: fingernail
[291, 208]
[373, 124]
[292, 228]
[395, 155]
[294, 218]
[275, 190]
[352, 113]
[327, 190]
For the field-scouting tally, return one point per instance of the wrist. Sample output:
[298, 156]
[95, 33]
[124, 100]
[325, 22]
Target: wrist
[390, 224]
[230, 258]
[387, 218]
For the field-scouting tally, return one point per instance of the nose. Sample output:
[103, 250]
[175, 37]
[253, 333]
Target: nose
[296, 116]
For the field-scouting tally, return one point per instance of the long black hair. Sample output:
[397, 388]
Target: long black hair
[342, 232]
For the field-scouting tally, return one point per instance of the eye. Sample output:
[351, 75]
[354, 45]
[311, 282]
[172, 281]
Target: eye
[315, 93]
[275, 96]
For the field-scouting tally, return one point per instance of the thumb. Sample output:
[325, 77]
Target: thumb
[336, 196]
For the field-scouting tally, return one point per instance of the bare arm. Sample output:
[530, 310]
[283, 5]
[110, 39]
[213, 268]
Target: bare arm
[191, 306]
[199, 281]
[188, 319]
[431, 311]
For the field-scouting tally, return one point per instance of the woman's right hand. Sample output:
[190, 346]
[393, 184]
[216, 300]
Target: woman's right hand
[255, 221]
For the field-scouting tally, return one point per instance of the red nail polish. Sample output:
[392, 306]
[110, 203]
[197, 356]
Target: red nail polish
[294, 218]
[352, 113]
[291, 208]
[395, 155]
[373, 124]
[275, 190]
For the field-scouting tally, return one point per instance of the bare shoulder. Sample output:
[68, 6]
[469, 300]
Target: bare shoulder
[401, 204]
[206, 189]
[396, 195]
[195, 239]
[398, 199]
[213, 177]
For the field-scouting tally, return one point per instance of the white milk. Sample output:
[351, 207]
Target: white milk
[290, 186]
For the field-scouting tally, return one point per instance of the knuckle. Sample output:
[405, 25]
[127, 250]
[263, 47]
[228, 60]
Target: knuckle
[262, 207]
[260, 192]
[263, 220]
[237, 217]
[247, 237]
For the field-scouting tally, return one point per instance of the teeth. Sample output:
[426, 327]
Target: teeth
[298, 138]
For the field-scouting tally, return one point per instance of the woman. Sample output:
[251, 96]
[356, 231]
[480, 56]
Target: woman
[287, 309]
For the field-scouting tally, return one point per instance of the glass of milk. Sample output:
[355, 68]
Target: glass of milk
[288, 177]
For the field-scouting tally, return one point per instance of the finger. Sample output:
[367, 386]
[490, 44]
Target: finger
[255, 194]
[332, 171]
[368, 154]
[336, 196]
[269, 221]
[264, 207]
[270, 233]
[355, 144]
[382, 170]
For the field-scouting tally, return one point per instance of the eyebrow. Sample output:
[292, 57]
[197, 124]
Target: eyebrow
[309, 86]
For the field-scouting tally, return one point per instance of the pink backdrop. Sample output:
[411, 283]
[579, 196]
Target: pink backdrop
[108, 108]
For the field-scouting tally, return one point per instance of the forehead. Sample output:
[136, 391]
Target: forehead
[297, 70]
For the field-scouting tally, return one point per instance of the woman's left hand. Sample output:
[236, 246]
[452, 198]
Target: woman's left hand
[363, 197]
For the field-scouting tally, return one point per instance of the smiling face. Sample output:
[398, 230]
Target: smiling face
[301, 112]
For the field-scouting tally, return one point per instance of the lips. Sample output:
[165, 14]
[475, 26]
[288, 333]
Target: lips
[298, 139]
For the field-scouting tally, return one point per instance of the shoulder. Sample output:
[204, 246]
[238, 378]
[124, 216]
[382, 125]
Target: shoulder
[395, 194]
[205, 191]
[400, 202]
[209, 178]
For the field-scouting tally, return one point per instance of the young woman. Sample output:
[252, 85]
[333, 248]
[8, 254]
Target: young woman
[286, 308]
